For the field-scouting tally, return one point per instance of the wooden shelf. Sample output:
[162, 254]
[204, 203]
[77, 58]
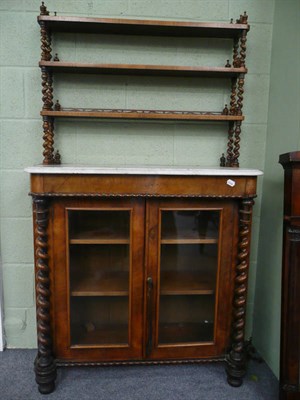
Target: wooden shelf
[186, 332]
[105, 284]
[141, 114]
[101, 335]
[186, 283]
[116, 284]
[189, 237]
[99, 237]
[124, 26]
[146, 70]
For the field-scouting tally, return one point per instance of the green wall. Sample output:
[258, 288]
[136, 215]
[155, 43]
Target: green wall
[283, 135]
[117, 142]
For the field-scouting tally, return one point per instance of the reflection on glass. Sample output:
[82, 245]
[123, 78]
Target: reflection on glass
[99, 276]
[188, 274]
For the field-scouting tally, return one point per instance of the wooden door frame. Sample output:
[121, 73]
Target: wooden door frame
[217, 347]
[62, 346]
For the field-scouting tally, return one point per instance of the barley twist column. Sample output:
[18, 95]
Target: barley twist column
[45, 368]
[236, 358]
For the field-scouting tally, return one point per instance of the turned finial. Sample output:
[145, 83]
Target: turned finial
[43, 9]
[227, 64]
[56, 57]
[222, 160]
[57, 106]
[244, 18]
[225, 110]
[57, 158]
[55, 13]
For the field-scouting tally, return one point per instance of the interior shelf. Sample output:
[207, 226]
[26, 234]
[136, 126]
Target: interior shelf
[109, 334]
[137, 69]
[186, 332]
[99, 237]
[189, 237]
[188, 241]
[116, 284]
[186, 283]
[104, 284]
[141, 114]
[142, 27]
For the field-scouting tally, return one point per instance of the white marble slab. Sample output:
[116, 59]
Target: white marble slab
[141, 170]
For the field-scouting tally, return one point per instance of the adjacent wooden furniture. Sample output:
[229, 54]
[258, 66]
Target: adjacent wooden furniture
[141, 265]
[290, 309]
[235, 71]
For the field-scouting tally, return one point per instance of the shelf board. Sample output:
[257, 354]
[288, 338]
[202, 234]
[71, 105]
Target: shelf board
[124, 26]
[189, 237]
[99, 237]
[188, 241]
[141, 114]
[101, 335]
[116, 284]
[186, 283]
[171, 333]
[146, 70]
[104, 284]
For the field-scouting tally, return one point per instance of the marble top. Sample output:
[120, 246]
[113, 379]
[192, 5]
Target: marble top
[141, 170]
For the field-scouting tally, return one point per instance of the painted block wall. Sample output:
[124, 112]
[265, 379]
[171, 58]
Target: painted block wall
[116, 142]
[283, 135]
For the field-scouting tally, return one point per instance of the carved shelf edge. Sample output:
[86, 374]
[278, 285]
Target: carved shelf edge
[141, 114]
[142, 27]
[139, 69]
[191, 195]
[60, 363]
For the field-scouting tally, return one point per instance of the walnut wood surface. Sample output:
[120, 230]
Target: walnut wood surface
[140, 185]
[141, 114]
[142, 27]
[136, 69]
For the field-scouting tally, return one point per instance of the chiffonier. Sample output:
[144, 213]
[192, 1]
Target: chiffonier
[141, 264]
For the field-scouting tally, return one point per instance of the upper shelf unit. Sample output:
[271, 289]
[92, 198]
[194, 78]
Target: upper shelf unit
[234, 70]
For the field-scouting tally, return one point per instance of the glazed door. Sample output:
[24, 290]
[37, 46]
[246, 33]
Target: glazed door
[98, 279]
[189, 278]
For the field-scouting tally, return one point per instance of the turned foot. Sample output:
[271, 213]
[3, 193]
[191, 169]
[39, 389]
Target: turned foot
[235, 368]
[45, 374]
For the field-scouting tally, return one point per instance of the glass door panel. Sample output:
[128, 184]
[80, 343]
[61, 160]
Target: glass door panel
[188, 274]
[99, 265]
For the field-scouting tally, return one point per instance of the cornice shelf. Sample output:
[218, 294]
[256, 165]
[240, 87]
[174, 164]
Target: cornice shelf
[141, 114]
[139, 69]
[118, 26]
